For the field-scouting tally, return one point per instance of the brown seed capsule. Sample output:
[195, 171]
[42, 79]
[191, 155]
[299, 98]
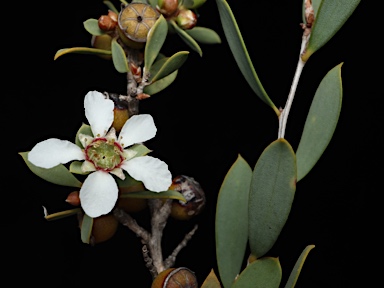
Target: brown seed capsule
[192, 192]
[104, 227]
[132, 205]
[120, 112]
[134, 22]
[102, 42]
[181, 277]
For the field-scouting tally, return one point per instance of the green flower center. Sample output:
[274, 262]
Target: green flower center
[105, 155]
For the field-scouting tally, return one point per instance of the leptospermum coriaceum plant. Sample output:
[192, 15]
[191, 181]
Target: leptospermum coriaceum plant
[114, 168]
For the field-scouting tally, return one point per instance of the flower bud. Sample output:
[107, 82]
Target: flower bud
[167, 7]
[192, 192]
[73, 198]
[106, 23]
[186, 19]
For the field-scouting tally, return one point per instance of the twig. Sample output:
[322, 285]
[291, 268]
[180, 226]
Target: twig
[131, 223]
[172, 258]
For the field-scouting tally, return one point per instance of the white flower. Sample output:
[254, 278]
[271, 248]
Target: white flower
[104, 154]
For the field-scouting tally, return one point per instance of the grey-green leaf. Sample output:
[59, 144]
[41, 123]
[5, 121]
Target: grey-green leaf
[111, 6]
[86, 228]
[321, 121]
[57, 175]
[92, 26]
[240, 53]
[232, 221]
[186, 38]
[262, 273]
[172, 64]
[297, 268]
[81, 50]
[204, 35]
[193, 4]
[119, 58]
[271, 196]
[145, 194]
[161, 84]
[155, 40]
[330, 17]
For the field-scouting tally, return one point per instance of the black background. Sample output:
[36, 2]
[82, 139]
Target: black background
[205, 119]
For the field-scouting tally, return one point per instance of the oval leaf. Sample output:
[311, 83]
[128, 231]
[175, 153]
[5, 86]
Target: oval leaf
[297, 268]
[161, 84]
[193, 4]
[172, 64]
[86, 228]
[169, 194]
[321, 122]
[232, 221]
[62, 214]
[84, 129]
[261, 273]
[330, 17]
[204, 35]
[211, 281]
[240, 53]
[186, 38]
[119, 58]
[92, 26]
[57, 175]
[272, 191]
[81, 50]
[155, 40]
[111, 6]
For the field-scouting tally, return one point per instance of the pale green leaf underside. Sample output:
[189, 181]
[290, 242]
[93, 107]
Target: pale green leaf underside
[271, 196]
[231, 221]
[321, 122]
[204, 35]
[57, 175]
[169, 194]
[86, 228]
[298, 266]
[92, 26]
[155, 40]
[240, 53]
[331, 16]
[81, 50]
[186, 38]
[262, 273]
[119, 58]
[161, 84]
[172, 64]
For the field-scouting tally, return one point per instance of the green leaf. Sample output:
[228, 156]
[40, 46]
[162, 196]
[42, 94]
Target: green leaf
[193, 4]
[86, 228]
[155, 40]
[186, 38]
[145, 194]
[211, 281]
[140, 149]
[92, 26]
[84, 129]
[119, 58]
[62, 214]
[297, 268]
[232, 221]
[81, 50]
[75, 168]
[57, 175]
[331, 16]
[153, 3]
[111, 6]
[127, 183]
[240, 53]
[321, 122]
[204, 35]
[262, 273]
[172, 64]
[272, 191]
[161, 84]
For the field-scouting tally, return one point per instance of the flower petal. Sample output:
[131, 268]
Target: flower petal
[99, 112]
[151, 171]
[137, 129]
[98, 195]
[52, 152]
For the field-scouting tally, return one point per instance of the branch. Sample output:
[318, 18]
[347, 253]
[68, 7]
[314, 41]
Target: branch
[131, 223]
